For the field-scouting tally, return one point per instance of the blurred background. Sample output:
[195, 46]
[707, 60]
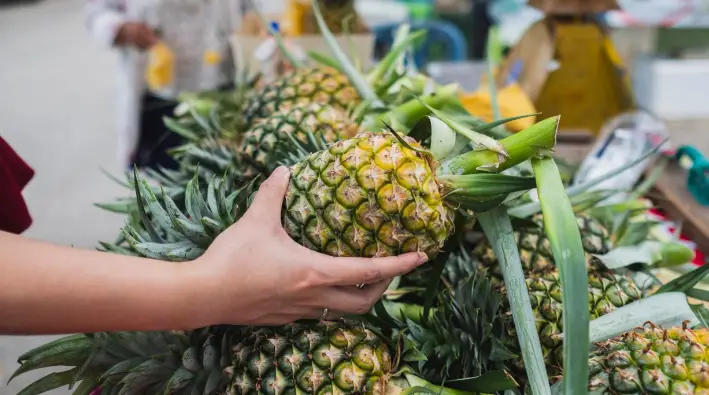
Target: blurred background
[590, 61]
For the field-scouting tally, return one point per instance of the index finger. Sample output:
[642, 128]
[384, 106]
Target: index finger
[355, 271]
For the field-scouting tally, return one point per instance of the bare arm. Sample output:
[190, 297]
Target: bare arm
[46, 288]
[253, 273]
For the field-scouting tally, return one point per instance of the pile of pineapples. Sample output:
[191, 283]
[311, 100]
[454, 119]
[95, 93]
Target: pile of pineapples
[381, 164]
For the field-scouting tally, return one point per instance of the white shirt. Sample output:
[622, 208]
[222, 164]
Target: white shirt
[190, 28]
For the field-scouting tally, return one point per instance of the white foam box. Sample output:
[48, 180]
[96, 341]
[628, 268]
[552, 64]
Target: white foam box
[673, 89]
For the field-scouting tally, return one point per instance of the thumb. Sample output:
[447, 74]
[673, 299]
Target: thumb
[268, 201]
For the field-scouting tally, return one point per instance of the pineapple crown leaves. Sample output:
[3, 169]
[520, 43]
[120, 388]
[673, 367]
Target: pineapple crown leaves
[463, 335]
[364, 85]
[134, 363]
[173, 235]
[529, 209]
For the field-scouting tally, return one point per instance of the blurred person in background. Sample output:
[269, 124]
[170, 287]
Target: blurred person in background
[185, 42]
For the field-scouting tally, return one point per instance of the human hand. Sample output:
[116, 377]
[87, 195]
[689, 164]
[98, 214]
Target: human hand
[257, 275]
[136, 33]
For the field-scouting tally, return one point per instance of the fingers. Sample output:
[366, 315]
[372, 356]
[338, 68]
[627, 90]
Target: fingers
[354, 271]
[269, 198]
[352, 300]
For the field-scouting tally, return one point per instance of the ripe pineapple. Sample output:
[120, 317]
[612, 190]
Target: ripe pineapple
[535, 250]
[314, 357]
[268, 134]
[368, 196]
[308, 85]
[607, 290]
[652, 360]
[377, 194]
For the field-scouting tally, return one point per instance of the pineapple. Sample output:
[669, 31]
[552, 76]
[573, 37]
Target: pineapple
[652, 360]
[263, 139]
[343, 357]
[535, 250]
[377, 194]
[367, 196]
[607, 290]
[308, 85]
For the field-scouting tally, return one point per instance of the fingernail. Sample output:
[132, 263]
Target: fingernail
[281, 171]
[423, 258]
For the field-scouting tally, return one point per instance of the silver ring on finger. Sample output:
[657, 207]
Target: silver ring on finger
[360, 286]
[325, 311]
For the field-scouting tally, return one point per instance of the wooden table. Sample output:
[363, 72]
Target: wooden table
[674, 198]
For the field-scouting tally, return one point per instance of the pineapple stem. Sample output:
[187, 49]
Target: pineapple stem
[536, 140]
[480, 192]
[403, 117]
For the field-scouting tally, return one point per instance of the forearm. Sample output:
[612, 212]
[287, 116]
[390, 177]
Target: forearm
[50, 289]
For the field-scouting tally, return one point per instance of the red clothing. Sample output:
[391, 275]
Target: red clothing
[14, 176]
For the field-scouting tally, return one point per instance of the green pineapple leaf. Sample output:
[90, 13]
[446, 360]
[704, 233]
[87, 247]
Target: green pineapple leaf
[490, 382]
[562, 230]
[49, 382]
[87, 386]
[392, 57]
[685, 282]
[529, 209]
[325, 60]
[145, 219]
[648, 253]
[361, 84]
[498, 230]
[56, 344]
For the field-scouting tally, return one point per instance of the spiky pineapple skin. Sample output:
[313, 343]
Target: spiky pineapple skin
[320, 85]
[322, 358]
[652, 360]
[269, 134]
[535, 248]
[367, 196]
[607, 292]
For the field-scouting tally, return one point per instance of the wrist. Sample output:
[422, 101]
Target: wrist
[195, 284]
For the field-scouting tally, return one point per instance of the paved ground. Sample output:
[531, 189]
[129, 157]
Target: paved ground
[56, 110]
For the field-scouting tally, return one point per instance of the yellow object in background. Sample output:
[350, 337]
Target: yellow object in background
[212, 57]
[161, 66]
[590, 85]
[292, 23]
[511, 100]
